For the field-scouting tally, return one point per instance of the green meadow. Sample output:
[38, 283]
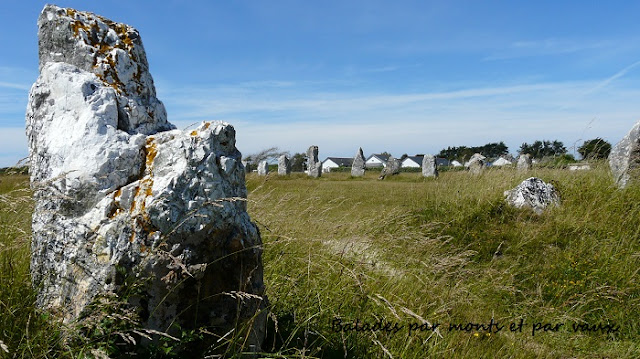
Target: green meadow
[403, 268]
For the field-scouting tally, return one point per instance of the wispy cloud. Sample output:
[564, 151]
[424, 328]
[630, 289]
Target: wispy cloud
[412, 122]
[546, 47]
[16, 86]
[615, 76]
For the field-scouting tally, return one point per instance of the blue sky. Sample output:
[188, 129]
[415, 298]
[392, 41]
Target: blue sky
[402, 76]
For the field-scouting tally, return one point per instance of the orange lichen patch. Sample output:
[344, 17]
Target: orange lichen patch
[206, 125]
[152, 152]
[194, 133]
[103, 48]
[132, 237]
[71, 12]
[127, 41]
[147, 183]
[116, 204]
[76, 26]
[135, 196]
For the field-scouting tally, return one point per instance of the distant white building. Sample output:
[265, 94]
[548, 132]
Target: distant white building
[412, 161]
[455, 163]
[335, 162]
[416, 161]
[501, 162]
[376, 160]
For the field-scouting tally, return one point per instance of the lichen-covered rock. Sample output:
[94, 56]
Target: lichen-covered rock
[533, 193]
[624, 159]
[263, 168]
[114, 53]
[524, 162]
[358, 165]
[284, 165]
[429, 166]
[314, 166]
[477, 163]
[121, 196]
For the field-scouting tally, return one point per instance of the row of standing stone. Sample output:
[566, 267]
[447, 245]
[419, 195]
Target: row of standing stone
[476, 165]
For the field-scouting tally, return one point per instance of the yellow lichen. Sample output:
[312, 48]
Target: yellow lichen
[206, 125]
[116, 204]
[152, 152]
[194, 133]
[133, 202]
[76, 26]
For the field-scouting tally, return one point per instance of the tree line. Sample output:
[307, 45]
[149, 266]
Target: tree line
[590, 149]
[463, 153]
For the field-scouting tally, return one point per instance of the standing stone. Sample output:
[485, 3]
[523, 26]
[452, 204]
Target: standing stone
[263, 168]
[524, 162]
[429, 166]
[284, 165]
[358, 165]
[477, 163]
[533, 193]
[392, 168]
[122, 197]
[624, 158]
[314, 166]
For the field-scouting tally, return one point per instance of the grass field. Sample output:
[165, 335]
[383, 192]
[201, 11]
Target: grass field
[408, 268]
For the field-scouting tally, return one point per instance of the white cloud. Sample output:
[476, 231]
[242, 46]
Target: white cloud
[615, 76]
[339, 122]
[293, 118]
[16, 86]
[548, 47]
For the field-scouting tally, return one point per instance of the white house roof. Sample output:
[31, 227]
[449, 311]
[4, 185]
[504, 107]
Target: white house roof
[412, 161]
[340, 161]
[381, 158]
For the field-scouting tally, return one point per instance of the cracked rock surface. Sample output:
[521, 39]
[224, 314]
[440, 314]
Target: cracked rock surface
[314, 165]
[358, 165]
[429, 166]
[624, 159]
[533, 193]
[121, 194]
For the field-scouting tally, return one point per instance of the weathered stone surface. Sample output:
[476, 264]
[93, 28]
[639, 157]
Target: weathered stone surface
[533, 193]
[524, 162]
[358, 165]
[111, 51]
[624, 159]
[284, 165]
[314, 166]
[429, 166]
[263, 168]
[121, 197]
[392, 168]
[477, 163]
